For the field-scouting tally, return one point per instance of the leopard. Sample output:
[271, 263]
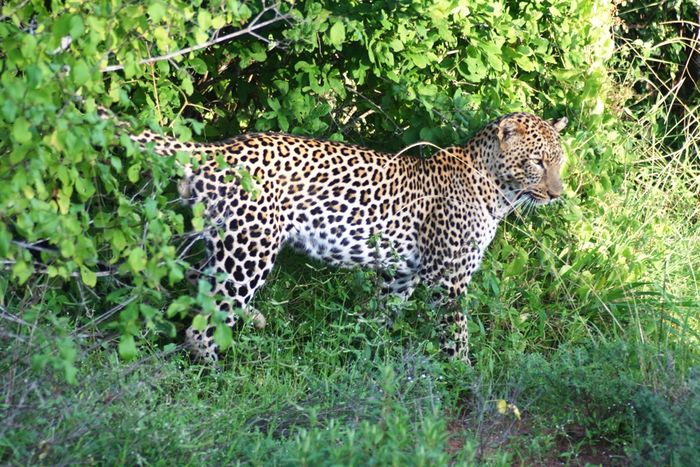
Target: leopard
[414, 220]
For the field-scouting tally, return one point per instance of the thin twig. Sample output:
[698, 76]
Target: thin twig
[5, 314]
[15, 10]
[254, 26]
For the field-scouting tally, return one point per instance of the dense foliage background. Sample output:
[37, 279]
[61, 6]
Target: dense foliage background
[94, 246]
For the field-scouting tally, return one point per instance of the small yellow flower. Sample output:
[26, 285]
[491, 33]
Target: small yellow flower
[502, 406]
[515, 410]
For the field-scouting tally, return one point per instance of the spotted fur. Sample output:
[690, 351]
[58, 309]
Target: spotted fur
[425, 220]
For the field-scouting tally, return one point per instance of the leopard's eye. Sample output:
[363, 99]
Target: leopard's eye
[538, 162]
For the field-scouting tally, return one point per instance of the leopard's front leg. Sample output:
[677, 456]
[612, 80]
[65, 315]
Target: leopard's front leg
[451, 276]
[448, 298]
[452, 250]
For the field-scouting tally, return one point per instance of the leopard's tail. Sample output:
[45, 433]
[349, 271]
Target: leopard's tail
[162, 145]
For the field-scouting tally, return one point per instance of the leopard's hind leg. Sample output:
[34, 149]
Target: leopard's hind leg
[243, 252]
[401, 286]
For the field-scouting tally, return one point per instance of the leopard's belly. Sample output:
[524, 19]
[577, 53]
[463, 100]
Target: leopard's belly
[378, 245]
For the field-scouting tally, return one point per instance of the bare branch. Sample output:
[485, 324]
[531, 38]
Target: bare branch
[42, 269]
[107, 314]
[4, 314]
[14, 10]
[250, 29]
[33, 246]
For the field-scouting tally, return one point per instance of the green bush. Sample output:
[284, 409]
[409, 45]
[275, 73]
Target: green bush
[618, 394]
[667, 428]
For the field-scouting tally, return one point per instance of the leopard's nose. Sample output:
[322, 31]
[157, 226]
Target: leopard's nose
[553, 184]
[554, 188]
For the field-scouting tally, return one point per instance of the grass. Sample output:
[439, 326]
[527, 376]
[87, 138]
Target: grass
[322, 401]
[328, 382]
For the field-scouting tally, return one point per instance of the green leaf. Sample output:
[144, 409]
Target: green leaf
[67, 247]
[248, 183]
[204, 19]
[200, 322]
[118, 240]
[218, 22]
[419, 60]
[127, 347]
[175, 274]
[21, 130]
[89, 277]
[244, 12]
[70, 372]
[337, 33]
[131, 65]
[151, 208]
[517, 266]
[84, 187]
[198, 224]
[81, 73]
[134, 173]
[198, 217]
[22, 271]
[525, 63]
[180, 306]
[283, 122]
[61, 26]
[182, 133]
[5, 239]
[223, 336]
[77, 28]
[137, 260]
[396, 45]
[129, 313]
[148, 312]
[427, 89]
[28, 45]
[198, 65]
[187, 86]
[116, 163]
[156, 11]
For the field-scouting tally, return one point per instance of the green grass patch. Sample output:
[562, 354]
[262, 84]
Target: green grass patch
[312, 403]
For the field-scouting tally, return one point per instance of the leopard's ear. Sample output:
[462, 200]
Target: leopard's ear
[509, 130]
[559, 124]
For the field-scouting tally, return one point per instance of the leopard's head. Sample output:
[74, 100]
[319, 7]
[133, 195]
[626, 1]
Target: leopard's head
[528, 168]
